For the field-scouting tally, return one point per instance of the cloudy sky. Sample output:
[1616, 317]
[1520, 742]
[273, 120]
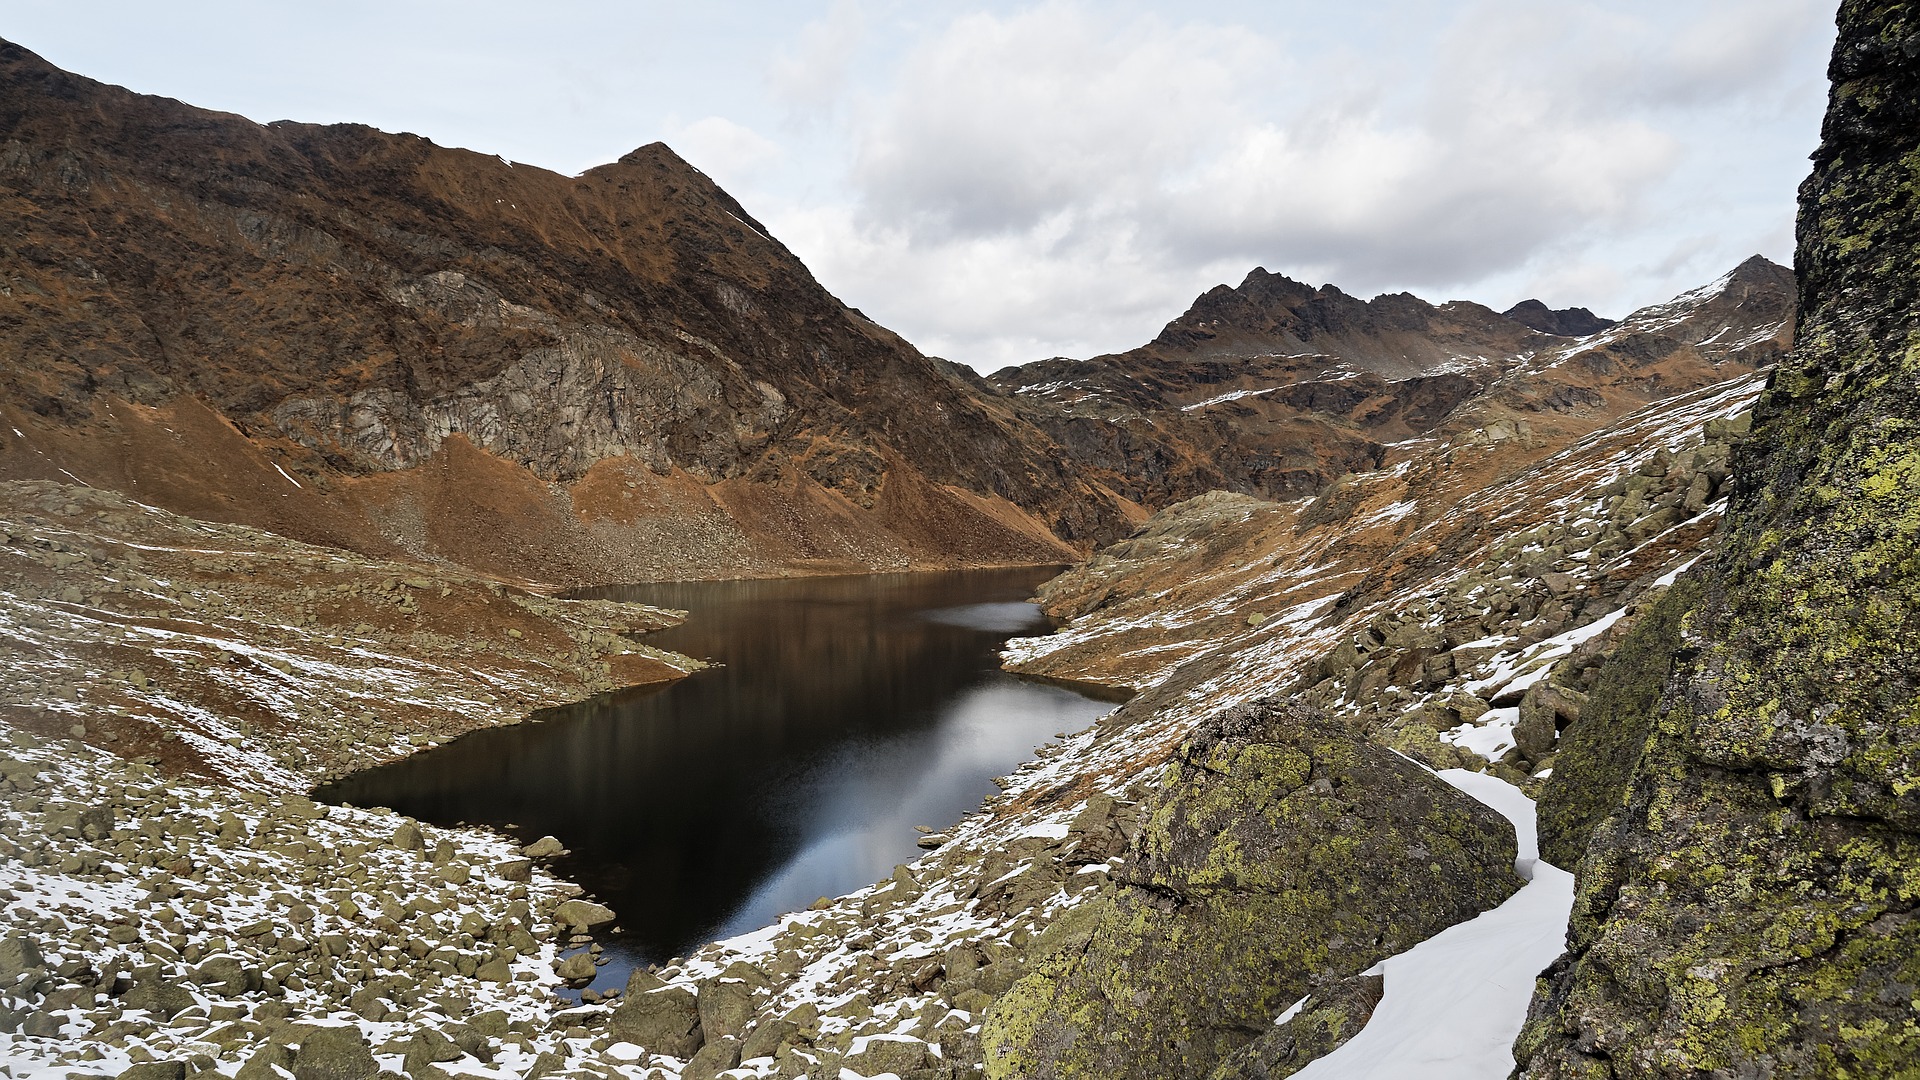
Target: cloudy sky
[1004, 181]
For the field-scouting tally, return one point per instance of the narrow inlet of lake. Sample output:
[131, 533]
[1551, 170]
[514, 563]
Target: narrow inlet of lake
[847, 710]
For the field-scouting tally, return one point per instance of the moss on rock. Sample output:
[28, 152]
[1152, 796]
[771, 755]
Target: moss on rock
[1596, 756]
[1283, 849]
[1748, 910]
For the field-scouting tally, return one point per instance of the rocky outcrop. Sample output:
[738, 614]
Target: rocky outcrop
[1284, 850]
[1747, 908]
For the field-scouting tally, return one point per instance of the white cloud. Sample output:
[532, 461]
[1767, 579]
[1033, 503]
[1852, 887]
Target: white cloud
[1063, 179]
[733, 154]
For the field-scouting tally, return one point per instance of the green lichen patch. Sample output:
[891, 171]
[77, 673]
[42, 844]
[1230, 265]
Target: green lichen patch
[1285, 850]
[1747, 909]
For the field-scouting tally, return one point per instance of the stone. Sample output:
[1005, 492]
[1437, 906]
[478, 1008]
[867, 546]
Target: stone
[225, 976]
[546, 847]
[768, 1038]
[1324, 1023]
[19, 954]
[260, 1065]
[334, 1053]
[407, 837]
[157, 995]
[726, 1007]
[877, 1054]
[1283, 843]
[495, 970]
[428, 1047]
[582, 914]
[665, 1021]
[716, 1057]
[155, 1070]
[43, 1025]
[576, 968]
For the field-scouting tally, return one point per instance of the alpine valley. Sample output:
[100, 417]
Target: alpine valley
[1521, 692]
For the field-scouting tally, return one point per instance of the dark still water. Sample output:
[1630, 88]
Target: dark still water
[849, 710]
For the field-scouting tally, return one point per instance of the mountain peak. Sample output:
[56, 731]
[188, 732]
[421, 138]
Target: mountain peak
[1565, 322]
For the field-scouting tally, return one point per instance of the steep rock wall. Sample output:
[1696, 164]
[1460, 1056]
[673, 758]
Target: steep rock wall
[1748, 908]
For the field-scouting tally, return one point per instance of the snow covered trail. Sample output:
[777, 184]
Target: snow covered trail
[1454, 1002]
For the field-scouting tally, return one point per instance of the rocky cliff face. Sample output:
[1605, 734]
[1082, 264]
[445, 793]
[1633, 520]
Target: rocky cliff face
[368, 340]
[1274, 389]
[1746, 907]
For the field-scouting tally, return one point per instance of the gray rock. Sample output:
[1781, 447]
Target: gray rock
[429, 1047]
[407, 837]
[261, 1065]
[155, 1070]
[19, 954]
[546, 847]
[665, 1021]
[726, 1007]
[334, 1053]
[157, 995]
[712, 1059]
[583, 914]
[898, 1054]
[768, 1037]
[576, 968]
[43, 1025]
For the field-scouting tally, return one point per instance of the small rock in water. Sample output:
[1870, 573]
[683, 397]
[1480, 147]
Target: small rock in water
[546, 847]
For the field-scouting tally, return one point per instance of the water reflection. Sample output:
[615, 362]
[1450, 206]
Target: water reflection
[848, 711]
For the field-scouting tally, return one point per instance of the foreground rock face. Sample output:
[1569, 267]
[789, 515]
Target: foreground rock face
[1285, 849]
[1747, 910]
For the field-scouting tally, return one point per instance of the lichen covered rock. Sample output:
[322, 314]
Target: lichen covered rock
[1748, 908]
[1284, 847]
[1597, 754]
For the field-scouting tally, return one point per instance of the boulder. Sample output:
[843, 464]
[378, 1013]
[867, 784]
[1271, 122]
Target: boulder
[19, 954]
[1284, 845]
[665, 1021]
[155, 1070]
[334, 1053]
[1324, 1023]
[876, 1054]
[1545, 710]
[726, 1007]
[547, 847]
[768, 1038]
[429, 1047]
[157, 995]
[583, 914]
[576, 968]
[711, 1060]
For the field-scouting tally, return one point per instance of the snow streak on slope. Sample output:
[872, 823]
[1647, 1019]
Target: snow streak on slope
[1455, 1001]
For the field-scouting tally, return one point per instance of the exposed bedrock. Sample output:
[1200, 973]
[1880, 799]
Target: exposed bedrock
[1747, 907]
[1284, 851]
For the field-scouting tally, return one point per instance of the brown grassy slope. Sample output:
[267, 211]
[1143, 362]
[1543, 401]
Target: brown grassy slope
[188, 299]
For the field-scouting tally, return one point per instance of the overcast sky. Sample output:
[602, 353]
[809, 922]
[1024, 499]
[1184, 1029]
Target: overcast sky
[1002, 182]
